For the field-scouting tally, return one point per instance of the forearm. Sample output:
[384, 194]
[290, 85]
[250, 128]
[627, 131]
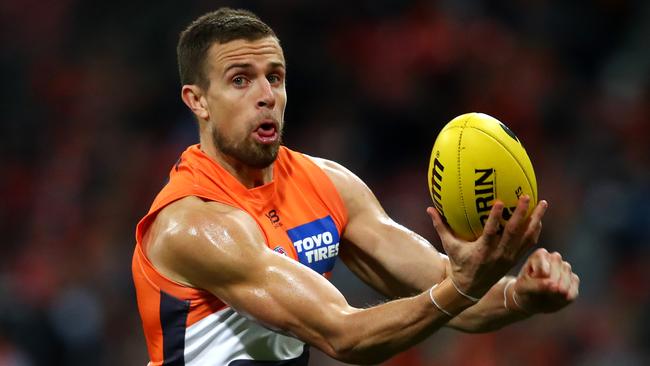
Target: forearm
[297, 301]
[375, 334]
[415, 268]
[490, 313]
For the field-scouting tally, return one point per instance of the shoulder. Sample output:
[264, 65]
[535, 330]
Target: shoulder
[191, 217]
[354, 192]
[342, 177]
[191, 234]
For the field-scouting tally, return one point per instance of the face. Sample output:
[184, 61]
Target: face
[246, 99]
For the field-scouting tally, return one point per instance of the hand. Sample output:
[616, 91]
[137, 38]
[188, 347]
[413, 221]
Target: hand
[476, 266]
[545, 283]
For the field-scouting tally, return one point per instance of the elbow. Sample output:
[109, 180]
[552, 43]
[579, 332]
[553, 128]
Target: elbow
[353, 354]
[337, 337]
[341, 346]
[350, 346]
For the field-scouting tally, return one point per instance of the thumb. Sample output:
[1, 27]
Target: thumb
[441, 227]
[539, 265]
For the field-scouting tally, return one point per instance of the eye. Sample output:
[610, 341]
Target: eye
[274, 78]
[239, 81]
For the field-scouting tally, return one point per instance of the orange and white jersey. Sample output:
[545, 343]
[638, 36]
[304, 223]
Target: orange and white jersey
[301, 215]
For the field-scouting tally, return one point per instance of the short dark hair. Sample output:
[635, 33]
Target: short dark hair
[222, 26]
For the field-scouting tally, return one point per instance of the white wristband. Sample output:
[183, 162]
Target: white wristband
[505, 293]
[468, 297]
[435, 303]
[518, 308]
[521, 308]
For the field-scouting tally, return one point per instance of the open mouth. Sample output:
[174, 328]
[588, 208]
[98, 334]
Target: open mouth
[266, 133]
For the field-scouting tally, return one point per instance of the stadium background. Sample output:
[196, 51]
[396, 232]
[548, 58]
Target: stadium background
[92, 121]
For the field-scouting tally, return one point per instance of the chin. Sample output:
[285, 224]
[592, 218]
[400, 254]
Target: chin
[264, 159]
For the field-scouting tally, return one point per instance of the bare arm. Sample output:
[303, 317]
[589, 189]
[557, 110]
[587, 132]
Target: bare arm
[398, 262]
[220, 249]
[386, 255]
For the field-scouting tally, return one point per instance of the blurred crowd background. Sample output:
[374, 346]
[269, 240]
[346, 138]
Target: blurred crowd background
[92, 122]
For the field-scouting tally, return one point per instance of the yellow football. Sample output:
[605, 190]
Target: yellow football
[475, 160]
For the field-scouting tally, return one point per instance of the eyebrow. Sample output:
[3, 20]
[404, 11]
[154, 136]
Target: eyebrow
[237, 66]
[273, 65]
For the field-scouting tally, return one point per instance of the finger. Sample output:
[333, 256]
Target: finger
[516, 225]
[539, 211]
[567, 275]
[574, 289]
[534, 228]
[533, 233]
[540, 267]
[556, 269]
[441, 227]
[565, 278]
[491, 228]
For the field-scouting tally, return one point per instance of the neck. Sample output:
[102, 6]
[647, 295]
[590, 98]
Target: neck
[248, 176]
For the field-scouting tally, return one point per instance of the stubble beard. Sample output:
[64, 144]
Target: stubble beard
[248, 151]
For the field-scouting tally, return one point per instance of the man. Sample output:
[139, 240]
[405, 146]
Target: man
[231, 261]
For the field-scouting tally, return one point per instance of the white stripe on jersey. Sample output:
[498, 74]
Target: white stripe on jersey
[224, 336]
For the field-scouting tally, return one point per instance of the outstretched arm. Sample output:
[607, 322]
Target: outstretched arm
[220, 249]
[398, 262]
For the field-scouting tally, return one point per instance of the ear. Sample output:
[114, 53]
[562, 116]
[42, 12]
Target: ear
[192, 96]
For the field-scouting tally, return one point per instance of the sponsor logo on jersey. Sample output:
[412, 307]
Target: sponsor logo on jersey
[316, 244]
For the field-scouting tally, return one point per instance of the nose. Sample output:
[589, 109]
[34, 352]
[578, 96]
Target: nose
[266, 98]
